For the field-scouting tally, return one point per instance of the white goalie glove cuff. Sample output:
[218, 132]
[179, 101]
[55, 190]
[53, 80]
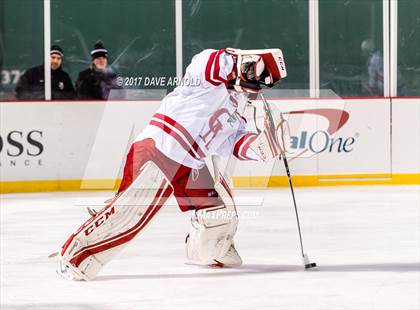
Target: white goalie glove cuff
[269, 144]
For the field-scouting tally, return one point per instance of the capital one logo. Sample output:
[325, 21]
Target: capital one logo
[323, 140]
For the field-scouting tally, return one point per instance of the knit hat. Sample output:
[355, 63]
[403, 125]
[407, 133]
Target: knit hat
[99, 50]
[55, 49]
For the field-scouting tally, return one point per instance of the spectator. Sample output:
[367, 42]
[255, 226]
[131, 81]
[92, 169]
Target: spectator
[375, 69]
[96, 82]
[31, 83]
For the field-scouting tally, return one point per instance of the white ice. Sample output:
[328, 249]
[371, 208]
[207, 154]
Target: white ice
[364, 239]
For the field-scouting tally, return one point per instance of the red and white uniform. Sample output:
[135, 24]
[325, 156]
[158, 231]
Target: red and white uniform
[199, 118]
[194, 121]
[202, 117]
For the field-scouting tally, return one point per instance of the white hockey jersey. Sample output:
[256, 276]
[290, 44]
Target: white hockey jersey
[202, 117]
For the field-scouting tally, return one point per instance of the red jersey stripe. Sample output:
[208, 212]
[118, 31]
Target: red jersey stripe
[216, 72]
[241, 147]
[184, 131]
[176, 136]
[245, 148]
[208, 70]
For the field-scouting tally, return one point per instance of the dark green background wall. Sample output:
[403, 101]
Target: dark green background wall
[250, 24]
[139, 35]
[21, 40]
[343, 26]
[409, 46]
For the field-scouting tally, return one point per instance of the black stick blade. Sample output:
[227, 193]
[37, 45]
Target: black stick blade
[310, 265]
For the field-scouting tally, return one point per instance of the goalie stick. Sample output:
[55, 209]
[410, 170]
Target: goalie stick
[272, 128]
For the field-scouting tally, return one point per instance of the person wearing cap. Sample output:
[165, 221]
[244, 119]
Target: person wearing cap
[97, 81]
[31, 83]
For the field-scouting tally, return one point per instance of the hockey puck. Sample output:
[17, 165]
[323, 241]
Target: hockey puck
[310, 265]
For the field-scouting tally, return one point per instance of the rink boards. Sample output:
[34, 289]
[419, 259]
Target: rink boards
[82, 145]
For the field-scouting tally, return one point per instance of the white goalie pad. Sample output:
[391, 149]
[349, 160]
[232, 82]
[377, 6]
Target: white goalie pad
[210, 241]
[273, 138]
[99, 239]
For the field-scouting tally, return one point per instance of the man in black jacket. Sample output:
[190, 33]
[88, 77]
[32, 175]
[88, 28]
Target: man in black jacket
[31, 83]
[97, 81]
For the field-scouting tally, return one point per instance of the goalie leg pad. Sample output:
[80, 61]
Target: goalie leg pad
[210, 241]
[99, 239]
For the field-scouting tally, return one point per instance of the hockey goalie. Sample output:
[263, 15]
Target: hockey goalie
[168, 158]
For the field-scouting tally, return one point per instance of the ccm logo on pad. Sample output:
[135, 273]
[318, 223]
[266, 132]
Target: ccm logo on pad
[99, 221]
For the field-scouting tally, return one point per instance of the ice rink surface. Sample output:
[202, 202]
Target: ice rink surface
[364, 239]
